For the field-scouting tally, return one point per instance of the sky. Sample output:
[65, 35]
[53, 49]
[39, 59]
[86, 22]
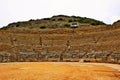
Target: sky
[107, 11]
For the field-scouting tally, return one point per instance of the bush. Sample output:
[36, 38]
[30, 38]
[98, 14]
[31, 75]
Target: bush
[17, 25]
[75, 20]
[53, 19]
[70, 20]
[60, 19]
[43, 27]
[4, 28]
[67, 25]
[46, 18]
[31, 20]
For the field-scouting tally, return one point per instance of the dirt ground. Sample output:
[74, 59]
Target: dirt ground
[59, 71]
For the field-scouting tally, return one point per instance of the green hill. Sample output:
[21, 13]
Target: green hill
[59, 21]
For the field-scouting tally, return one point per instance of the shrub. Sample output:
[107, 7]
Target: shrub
[31, 20]
[75, 20]
[60, 19]
[53, 19]
[43, 27]
[46, 18]
[17, 25]
[67, 25]
[4, 28]
[70, 20]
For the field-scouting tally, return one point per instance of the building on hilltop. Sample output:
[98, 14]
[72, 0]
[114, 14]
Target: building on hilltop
[74, 24]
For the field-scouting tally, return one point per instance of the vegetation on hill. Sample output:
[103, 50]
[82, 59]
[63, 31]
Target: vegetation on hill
[116, 24]
[59, 21]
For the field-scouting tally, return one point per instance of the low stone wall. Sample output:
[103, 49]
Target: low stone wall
[56, 56]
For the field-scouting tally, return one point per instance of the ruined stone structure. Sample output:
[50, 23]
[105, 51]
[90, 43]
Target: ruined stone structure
[59, 45]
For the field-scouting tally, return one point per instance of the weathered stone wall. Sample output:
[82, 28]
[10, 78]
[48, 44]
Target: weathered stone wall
[71, 56]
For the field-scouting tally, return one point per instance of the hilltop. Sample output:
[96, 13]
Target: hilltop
[59, 21]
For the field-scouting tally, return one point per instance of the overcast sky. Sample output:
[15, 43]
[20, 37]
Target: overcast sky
[107, 11]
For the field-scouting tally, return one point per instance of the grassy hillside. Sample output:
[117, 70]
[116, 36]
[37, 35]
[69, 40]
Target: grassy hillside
[59, 21]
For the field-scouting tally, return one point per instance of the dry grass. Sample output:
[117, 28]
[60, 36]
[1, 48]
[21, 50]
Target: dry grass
[58, 71]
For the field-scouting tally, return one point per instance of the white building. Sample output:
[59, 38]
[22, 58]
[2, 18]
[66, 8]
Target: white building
[74, 25]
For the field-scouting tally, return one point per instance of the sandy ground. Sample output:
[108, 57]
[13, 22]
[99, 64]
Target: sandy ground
[59, 71]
